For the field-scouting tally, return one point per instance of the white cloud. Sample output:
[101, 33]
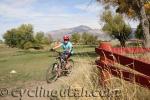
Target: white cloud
[16, 9]
[47, 23]
[19, 3]
[92, 7]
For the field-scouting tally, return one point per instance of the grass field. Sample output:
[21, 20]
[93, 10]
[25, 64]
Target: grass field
[31, 65]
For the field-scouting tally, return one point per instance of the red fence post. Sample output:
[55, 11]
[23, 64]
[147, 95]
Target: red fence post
[106, 46]
[105, 74]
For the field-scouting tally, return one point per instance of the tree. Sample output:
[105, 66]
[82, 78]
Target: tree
[25, 34]
[75, 37]
[135, 8]
[39, 37]
[139, 32]
[116, 27]
[89, 39]
[92, 40]
[1, 41]
[49, 38]
[18, 37]
[85, 37]
[42, 38]
[10, 38]
[46, 40]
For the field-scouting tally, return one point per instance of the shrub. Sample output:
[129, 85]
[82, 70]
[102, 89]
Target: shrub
[27, 45]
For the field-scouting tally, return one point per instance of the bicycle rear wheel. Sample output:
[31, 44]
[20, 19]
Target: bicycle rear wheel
[52, 73]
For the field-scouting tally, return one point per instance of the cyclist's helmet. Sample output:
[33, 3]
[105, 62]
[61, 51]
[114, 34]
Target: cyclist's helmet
[66, 38]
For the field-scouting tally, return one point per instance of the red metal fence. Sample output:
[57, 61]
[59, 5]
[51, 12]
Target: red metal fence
[110, 56]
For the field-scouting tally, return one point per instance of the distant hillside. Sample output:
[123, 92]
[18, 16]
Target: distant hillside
[58, 34]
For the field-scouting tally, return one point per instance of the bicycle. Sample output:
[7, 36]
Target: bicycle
[58, 68]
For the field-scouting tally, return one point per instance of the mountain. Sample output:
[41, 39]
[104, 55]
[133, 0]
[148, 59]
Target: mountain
[58, 34]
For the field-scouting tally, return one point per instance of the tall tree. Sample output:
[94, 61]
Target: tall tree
[25, 34]
[116, 27]
[39, 37]
[139, 32]
[11, 37]
[132, 8]
[18, 37]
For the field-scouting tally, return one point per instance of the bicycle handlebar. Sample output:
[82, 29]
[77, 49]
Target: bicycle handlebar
[53, 50]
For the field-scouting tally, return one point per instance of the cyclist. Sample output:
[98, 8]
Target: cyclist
[67, 48]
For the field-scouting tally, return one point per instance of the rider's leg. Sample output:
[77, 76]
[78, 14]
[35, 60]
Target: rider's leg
[67, 58]
[63, 56]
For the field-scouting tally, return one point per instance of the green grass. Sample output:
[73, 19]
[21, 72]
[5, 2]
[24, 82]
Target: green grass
[32, 65]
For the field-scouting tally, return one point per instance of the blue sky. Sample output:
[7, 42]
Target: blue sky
[47, 15]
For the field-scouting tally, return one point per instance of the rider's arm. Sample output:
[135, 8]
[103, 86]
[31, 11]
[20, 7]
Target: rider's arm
[57, 46]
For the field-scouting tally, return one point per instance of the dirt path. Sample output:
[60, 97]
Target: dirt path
[40, 90]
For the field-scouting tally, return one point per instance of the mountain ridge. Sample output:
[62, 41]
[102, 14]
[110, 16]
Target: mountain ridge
[58, 34]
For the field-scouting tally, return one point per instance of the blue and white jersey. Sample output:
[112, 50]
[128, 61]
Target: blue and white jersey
[67, 47]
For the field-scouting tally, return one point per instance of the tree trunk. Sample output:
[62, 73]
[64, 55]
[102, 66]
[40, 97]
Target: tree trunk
[123, 43]
[121, 40]
[145, 24]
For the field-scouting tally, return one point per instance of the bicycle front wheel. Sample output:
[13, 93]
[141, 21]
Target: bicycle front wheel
[52, 73]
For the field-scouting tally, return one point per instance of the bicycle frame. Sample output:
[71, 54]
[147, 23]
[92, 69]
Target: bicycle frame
[60, 60]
